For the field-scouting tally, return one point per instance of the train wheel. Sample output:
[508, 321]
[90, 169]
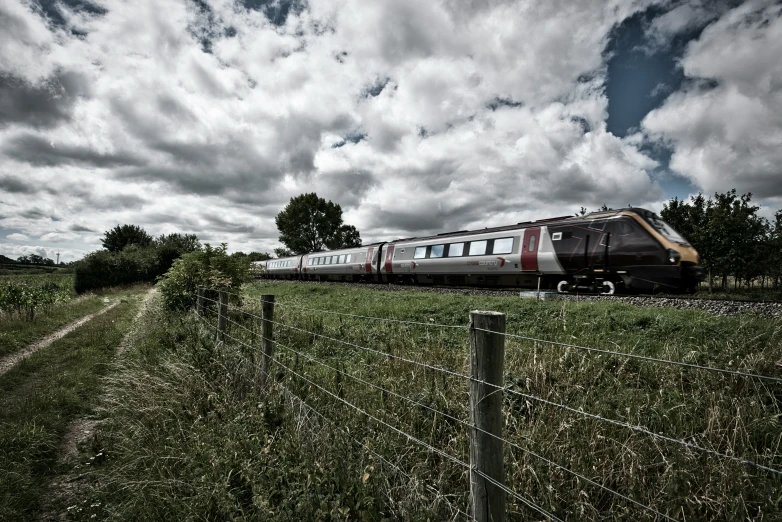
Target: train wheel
[563, 287]
[608, 288]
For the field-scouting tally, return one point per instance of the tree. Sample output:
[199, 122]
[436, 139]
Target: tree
[258, 256]
[346, 237]
[310, 224]
[120, 236]
[282, 252]
[726, 231]
[173, 246]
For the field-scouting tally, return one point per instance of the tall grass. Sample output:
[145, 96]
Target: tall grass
[39, 397]
[193, 435]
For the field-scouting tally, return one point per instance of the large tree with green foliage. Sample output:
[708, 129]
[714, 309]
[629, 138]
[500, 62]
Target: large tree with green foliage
[120, 236]
[727, 231]
[310, 224]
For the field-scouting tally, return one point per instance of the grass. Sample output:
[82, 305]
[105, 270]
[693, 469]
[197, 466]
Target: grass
[16, 333]
[40, 396]
[192, 436]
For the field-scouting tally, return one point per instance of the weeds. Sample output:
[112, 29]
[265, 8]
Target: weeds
[193, 437]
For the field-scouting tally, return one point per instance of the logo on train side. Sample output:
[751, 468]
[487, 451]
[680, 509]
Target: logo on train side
[499, 262]
[411, 264]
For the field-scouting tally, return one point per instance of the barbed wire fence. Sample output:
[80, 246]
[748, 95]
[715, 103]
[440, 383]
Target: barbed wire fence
[486, 491]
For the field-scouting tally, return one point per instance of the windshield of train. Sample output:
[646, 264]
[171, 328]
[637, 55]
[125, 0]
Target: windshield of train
[665, 229]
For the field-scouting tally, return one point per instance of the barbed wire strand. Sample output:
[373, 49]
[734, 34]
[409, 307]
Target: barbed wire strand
[412, 438]
[639, 357]
[469, 425]
[638, 429]
[431, 448]
[557, 343]
[311, 408]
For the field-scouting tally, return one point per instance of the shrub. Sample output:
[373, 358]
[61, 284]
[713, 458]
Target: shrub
[102, 269]
[211, 267]
[133, 264]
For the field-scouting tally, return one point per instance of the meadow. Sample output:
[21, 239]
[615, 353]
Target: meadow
[190, 434]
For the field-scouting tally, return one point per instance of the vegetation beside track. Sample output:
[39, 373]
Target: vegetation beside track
[190, 434]
[41, 395]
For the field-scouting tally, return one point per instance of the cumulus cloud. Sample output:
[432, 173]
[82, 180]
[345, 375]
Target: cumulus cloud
[725, 125]
[207, 116]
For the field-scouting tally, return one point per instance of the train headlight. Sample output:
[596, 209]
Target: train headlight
[673, 256]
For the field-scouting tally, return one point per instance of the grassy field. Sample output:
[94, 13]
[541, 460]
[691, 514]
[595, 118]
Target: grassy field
[192, 436]
[42, 394]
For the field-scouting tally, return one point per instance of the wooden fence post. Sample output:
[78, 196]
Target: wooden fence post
[267, 314]
[487, 357]
[222, 316]
[200, 300]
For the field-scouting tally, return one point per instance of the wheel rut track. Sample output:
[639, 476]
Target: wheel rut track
[15, 358]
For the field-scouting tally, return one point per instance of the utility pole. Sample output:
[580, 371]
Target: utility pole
[58, 258]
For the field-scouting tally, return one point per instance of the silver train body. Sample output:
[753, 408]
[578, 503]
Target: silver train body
[629, 249]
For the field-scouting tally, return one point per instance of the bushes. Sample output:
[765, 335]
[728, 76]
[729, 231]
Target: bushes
[135, 263]
[101, 269]
[211, 267]
[27, 296]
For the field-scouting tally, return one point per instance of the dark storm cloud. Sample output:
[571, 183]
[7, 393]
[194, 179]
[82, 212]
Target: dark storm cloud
[34, 213]
[115, 201]
[38, 151]
[15, 185]
[223, 225]
[498, 102]
[41, 105]
[81, 228]
[403, 219]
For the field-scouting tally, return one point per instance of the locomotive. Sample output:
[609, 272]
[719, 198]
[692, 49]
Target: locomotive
[616, 251]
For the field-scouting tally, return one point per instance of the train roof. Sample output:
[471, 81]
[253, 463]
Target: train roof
[533, 223]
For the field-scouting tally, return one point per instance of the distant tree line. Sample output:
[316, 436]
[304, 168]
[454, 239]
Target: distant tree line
[131, 255]
[733, 240]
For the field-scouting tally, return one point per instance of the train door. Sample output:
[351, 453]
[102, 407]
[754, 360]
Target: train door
[304, 260]
[389, 261]
[368, 263]
[529, 249]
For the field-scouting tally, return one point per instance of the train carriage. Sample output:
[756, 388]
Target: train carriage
[283, 268]
[348, 264]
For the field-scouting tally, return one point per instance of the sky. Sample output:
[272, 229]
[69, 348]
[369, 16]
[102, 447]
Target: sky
[207, 116]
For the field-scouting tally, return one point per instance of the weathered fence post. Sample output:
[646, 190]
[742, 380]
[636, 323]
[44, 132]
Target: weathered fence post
[200, 300]
[487, 355]
[222, 316]
[267, 314]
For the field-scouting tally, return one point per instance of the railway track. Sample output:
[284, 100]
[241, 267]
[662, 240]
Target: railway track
[721, 307]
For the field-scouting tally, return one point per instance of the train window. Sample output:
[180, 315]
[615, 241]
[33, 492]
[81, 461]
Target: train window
[347, 258]
[437, 251]
[455, 249]
[503, 246]
[342, 258]
[623, 228]
[477, 248]
[532, 241]
[420, 252]
[334, 260]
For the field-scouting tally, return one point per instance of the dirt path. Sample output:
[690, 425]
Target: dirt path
[142, 308]
[12, 360]
[79, 433]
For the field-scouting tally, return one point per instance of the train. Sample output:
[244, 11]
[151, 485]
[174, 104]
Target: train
[630, 250]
